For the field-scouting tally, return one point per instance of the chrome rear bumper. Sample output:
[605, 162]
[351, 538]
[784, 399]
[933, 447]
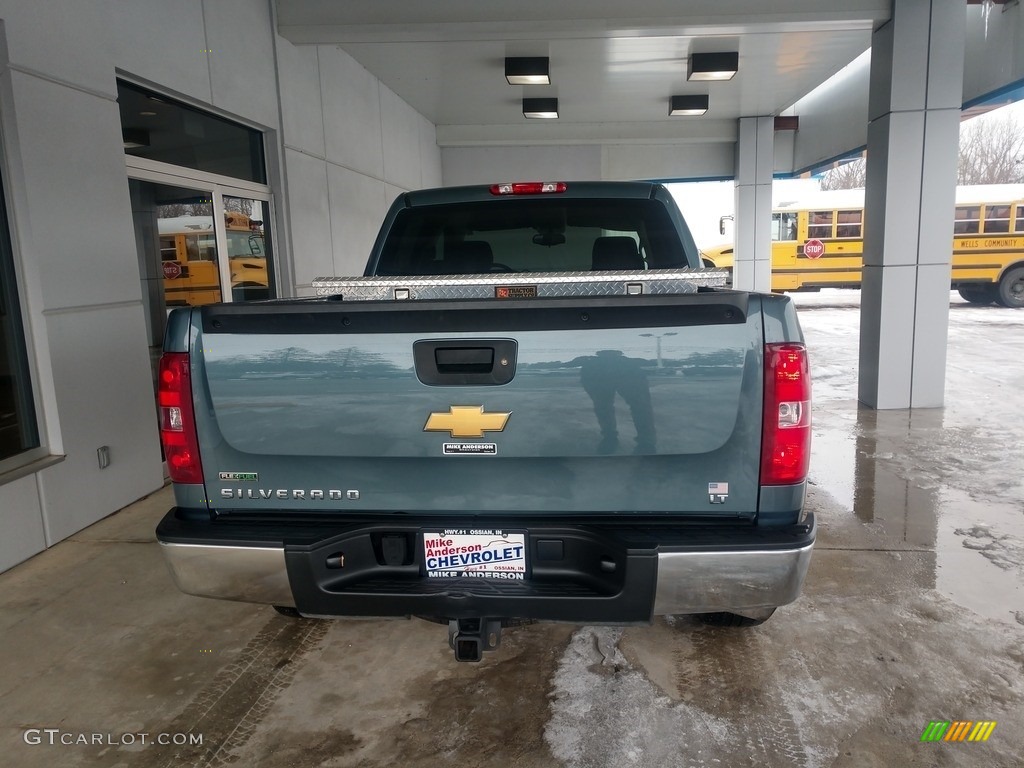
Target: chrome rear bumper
[247, 574]
[744, 582]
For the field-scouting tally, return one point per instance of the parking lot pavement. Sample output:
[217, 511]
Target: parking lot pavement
[913, 612]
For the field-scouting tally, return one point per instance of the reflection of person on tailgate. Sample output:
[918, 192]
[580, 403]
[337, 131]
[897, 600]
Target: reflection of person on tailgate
[610, 372]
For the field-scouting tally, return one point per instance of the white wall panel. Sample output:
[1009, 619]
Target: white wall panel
[178, 61]
[21, 520]
[487, 165]
[310, 216]
[81, 236]
[241, 53]
[357, 209]
[430, 155]
[401, 136]
[302, 120]
[623, 162]
[65, 39]
[105, 393]
[351, 103]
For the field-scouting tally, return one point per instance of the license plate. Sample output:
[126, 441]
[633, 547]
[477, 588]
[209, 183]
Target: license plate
[483, 553]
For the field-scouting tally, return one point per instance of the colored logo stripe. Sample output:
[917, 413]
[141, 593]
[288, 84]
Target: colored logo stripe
[958, 730]
[982, 731]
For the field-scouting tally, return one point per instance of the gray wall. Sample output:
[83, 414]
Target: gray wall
[340, 145]
[688, 148]
[350, 147]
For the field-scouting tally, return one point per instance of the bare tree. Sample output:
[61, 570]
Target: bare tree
[173, 210]
[849, 175]
[240, 204]
[991, 152]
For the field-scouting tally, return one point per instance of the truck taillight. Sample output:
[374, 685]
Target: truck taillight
[786, 435]
[529, 188]
[177, 419]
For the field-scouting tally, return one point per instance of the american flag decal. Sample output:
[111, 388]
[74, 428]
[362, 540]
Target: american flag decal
[717, 489]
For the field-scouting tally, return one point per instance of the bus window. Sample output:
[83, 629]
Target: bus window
[783, 226]
[849, 224]
[201, 247]
[966, 222]
[997, 218]
[1019, 227]
[819, 224]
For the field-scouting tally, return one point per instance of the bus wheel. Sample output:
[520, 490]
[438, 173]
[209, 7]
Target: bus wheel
[1011, 289]
[979, 293]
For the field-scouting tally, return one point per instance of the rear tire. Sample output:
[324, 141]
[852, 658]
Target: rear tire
[1011, 289]
[724, 619]
[979, 293]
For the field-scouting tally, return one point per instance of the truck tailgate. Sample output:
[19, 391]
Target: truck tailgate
[645, 404]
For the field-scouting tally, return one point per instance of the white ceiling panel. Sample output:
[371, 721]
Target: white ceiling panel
[614, 65]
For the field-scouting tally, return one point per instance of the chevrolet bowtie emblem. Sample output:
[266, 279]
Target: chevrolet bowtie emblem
[466, 421]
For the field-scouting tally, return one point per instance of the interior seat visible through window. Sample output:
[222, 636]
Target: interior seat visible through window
[471, 257]
[616, 253]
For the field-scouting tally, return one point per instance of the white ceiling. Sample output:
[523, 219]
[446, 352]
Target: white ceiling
[614, 65]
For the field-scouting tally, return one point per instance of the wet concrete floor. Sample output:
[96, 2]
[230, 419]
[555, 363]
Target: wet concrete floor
[913, 611]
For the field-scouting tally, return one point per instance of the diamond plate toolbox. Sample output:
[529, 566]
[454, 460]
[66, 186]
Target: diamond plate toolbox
[520, 285]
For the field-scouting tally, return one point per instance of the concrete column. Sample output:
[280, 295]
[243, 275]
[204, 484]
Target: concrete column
[917, 62]
[752, 239]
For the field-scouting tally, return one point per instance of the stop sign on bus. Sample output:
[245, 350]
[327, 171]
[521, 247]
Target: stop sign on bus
[814, 248]
[172, 270]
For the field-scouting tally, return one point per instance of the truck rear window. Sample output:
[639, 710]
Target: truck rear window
[531, 235]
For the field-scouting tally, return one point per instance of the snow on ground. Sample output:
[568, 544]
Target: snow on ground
[831, 323]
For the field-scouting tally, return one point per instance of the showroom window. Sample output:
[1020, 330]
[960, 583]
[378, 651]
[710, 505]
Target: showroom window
[19, 433]
[156, 127]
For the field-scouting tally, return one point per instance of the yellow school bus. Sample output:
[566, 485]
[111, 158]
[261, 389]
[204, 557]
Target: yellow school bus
[188, 251]
[819, 243]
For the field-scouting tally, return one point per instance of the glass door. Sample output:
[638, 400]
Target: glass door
[246, 229]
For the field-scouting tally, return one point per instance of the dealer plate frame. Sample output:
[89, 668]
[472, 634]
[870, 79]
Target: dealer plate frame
[436, 544]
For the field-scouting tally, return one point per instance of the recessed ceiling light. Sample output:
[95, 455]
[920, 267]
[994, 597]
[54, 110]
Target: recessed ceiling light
[696, 104]
[713, 66]
[527, 70]
[540, 108]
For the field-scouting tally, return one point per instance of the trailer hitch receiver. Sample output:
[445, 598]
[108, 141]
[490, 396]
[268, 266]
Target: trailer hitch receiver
[469, 638]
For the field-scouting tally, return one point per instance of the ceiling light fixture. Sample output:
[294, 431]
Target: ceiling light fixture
[688, 105]
[546, 109]
[713, 66]
[527, 70]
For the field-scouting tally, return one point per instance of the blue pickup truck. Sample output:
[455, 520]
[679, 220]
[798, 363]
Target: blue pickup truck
[534, 405]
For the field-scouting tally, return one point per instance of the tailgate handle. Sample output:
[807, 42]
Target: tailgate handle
[464, 359]
[465, 362]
